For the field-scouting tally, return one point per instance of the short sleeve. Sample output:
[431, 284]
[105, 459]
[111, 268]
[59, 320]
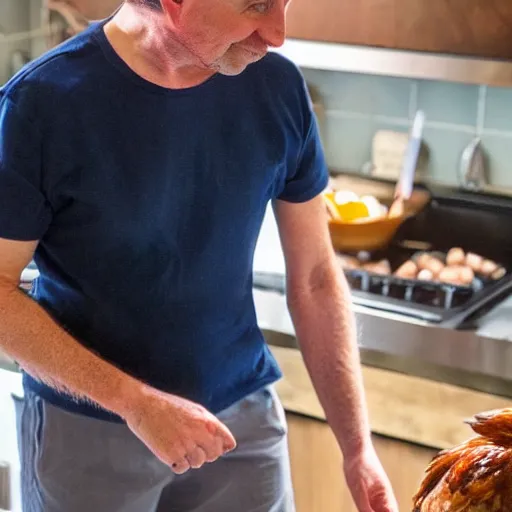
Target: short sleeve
[311, 175]
[25, 213]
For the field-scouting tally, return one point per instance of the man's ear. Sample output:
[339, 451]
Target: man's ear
[172, 10]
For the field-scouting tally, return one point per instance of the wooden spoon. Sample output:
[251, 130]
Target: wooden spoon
[405, 183]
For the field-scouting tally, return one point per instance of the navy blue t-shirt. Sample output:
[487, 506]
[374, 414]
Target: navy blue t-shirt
[147, 203]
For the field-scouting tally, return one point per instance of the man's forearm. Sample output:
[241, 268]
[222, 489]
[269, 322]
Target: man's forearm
[326, 333]
[32, 338]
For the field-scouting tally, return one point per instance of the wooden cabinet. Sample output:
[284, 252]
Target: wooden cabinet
[465, 27]
[317, 476]
[406, 413]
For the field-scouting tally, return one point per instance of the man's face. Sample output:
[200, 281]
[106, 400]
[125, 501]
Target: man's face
[228, 35]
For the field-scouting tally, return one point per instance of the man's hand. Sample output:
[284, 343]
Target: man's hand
[180, 433]
[368, 483]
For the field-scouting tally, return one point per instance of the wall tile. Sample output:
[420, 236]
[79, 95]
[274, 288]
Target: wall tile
[364, 94]
[448, 102]
[498, 152]
[395, 125]
[445, 149]
[341, 91]
[390, 96]
[498, 109]
[380, 103]
[347, 142]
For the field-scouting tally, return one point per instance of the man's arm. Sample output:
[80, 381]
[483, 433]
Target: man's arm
[319, 301]
[41, 347]
[173, 428]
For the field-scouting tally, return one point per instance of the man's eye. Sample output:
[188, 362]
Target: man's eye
[260, 8]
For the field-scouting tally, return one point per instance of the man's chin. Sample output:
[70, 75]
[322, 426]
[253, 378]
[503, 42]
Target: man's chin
[233, 70]
[233, 67]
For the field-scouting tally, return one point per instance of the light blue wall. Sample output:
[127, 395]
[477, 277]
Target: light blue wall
[359, 105]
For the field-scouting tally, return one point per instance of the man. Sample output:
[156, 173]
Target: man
[136, 163]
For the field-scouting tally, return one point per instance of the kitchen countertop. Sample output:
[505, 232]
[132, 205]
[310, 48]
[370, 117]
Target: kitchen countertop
[479, 359]
[400, 406]
[462, 358]
[497, 323]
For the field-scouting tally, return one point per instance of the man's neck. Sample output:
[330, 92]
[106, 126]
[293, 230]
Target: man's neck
[146, 45]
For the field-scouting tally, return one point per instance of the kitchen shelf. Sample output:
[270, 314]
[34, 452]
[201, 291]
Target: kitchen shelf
[399, 63]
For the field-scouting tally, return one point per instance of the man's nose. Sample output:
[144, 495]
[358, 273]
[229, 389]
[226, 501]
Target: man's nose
[273, 27]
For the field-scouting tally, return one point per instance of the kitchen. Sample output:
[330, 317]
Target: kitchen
[431, 368]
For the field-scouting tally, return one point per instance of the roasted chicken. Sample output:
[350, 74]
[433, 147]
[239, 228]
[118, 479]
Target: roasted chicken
[475, 476]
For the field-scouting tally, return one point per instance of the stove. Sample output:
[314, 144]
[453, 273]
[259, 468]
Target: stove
[477, 222]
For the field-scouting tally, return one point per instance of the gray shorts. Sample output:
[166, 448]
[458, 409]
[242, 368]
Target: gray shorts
[72, 463]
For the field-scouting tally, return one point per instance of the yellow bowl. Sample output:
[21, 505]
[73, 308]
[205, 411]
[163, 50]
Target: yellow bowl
[361, 233]
[367, 234]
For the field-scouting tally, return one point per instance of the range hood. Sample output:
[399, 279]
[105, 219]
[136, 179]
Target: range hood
[398, 63]
[465, 41]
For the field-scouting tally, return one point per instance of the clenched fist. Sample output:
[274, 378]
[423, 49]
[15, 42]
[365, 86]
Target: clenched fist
[182, 434]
